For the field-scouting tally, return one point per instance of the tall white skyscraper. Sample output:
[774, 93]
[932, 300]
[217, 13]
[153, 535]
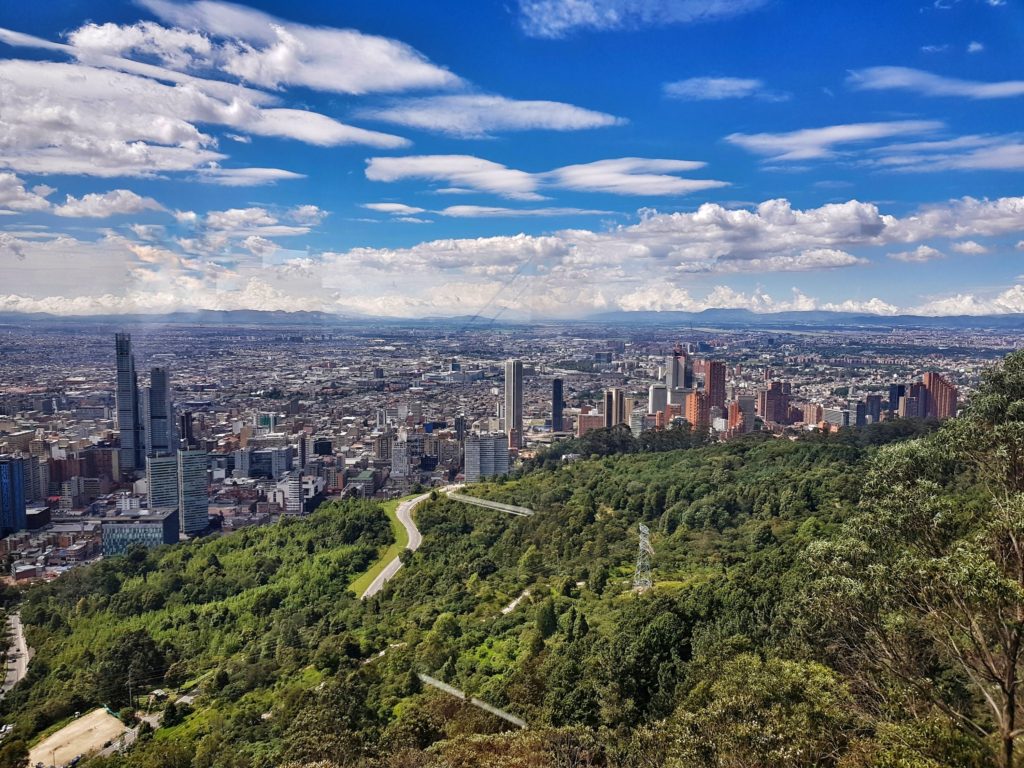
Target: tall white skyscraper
[193, 500]
[514, 403]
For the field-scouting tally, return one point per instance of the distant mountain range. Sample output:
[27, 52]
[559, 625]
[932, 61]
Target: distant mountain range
[718, 318]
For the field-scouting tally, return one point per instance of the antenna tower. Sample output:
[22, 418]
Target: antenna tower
[642, 579]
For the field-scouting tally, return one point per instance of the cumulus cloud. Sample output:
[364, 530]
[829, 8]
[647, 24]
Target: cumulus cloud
[975, 47]
[720, 89]
[114, 203]
[557, 18]
[478, 115]
[652, 262]
[624, 176]
[919, 255]
[14, 196]
[929, 84]
[969, 247]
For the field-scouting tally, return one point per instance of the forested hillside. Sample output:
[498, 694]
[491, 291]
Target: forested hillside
[850, 600]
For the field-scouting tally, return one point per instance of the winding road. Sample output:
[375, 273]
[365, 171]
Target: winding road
[404, 515]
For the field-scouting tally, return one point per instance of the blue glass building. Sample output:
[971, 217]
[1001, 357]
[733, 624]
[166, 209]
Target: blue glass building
[12, 494]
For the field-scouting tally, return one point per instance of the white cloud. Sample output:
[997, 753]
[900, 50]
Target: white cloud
[975, 47]
[969, 247]
[224, 262]
[963, 153]
[632, 176]
[928, 84]
[1008, 301]
[310, 215]
[79, 119]
[622, 176]
[934, 48]
[818, 143]
[14, 196]
[148, 231]
[557, 18]
[919, 255]
[270, 52]
[395, 208]
[719, 89]
[114, 203]
[259, 246]
[478, 115]
[485, 211]
[463, 170]
[175, 48]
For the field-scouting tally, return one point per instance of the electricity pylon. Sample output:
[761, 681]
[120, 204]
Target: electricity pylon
[642, 578]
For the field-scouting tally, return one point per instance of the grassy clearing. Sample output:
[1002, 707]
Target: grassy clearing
[401, 542]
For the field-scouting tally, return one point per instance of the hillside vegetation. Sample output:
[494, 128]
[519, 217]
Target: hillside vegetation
[850, 600]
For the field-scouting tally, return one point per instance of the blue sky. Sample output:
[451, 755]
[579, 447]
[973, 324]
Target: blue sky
[539, 158]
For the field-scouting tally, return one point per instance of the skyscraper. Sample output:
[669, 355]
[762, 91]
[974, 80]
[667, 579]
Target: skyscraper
[714, 383]
[486, 456]
[896, 391]
[614, 409]
[557, 405]
[657, 398]
[162, 479]
[514, 403]
[185, 428]
[193, 500]
[13, 471]
[941, 396]
[697, 410]
[132, 458]
[159, 414]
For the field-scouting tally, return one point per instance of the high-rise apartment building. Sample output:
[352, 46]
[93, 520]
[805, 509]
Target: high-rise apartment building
[941, 396]
[486, 456]
[193, 499]
[714, 383]
[697, 410]
[132, 457]
[13, 471]
[514, 403]
[557, 405]
[773, 403]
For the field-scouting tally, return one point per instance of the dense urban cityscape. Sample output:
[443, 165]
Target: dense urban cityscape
[511, 384]
[176, 431]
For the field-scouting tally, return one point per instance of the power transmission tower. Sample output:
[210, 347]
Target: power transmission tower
[642, 578]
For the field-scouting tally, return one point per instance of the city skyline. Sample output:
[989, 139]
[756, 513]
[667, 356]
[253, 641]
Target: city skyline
[618, 156]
